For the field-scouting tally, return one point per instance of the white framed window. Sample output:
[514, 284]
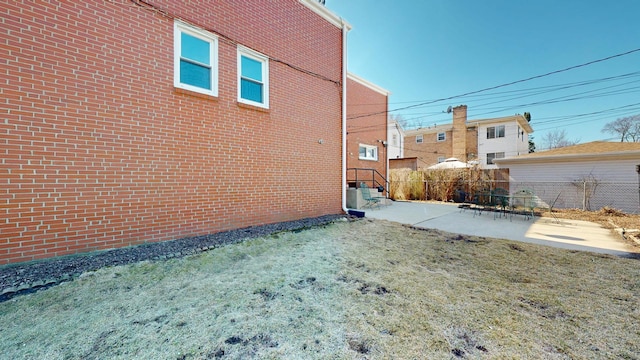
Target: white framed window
[253, 78]
[368, 152]
[441, 136]
[494, 132]
[419, 139]
[491, 156]
[195, 59]
[440, 159]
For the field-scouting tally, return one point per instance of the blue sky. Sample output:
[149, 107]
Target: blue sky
[427, 50]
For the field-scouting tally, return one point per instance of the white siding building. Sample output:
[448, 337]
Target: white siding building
[500, 138]
[395, 138]
[585, 176]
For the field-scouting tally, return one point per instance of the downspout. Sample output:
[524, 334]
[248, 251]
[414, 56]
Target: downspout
[386, 146]
[344, 115]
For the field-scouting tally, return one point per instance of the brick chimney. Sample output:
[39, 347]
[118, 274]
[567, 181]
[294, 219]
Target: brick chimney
[459, 141]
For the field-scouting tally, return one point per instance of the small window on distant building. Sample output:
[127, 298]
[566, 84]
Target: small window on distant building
[394, 139]
[442, 136]
[440, 159]
[494, 132]
[368, 152]
[492, 156]
[195, 60]
[419, 139]
[253, 78]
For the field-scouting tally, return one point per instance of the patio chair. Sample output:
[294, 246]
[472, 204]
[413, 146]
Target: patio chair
[523, 201]
[464, 199]
[481, 201]
[371, 200]
[557, 221]
[500, 201]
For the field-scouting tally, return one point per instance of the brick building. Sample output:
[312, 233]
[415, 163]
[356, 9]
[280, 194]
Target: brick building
[125, 122]
[367, 106]
[469, 140]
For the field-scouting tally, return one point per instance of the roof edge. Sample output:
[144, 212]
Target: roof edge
[429, 130]
[633, 154]
[520, 119]
[474, 122]
[368, 84]
[325, 13]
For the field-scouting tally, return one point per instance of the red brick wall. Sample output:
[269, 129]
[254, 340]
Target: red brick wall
[98, 150]
[428, 152]
[368, 129]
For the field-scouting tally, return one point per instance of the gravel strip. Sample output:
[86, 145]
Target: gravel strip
[20, 279]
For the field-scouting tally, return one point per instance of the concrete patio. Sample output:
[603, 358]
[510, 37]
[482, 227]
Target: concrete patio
[566, 234]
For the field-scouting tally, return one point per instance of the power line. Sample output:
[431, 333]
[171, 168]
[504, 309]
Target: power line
[229, 40]
[565, 120]
[523, 92]
[503, 85]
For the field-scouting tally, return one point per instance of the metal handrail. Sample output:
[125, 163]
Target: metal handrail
[371, 179]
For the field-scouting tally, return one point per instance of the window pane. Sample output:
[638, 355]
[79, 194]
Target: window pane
[195, 75]
[500, 132]
[363, 151]
[251, 69]
[250, 90]
[195, 49]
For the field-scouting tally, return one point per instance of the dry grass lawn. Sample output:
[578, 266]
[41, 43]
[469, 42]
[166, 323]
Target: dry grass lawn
[350, 290]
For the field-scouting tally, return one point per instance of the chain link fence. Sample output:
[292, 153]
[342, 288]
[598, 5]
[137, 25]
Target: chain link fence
[585, 195]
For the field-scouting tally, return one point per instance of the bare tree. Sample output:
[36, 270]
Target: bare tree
[586, 187]
[627, 128]
[557, 139]
[398, 119]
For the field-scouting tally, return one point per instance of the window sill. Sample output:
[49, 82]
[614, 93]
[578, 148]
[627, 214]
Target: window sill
[253, 107]
[194, 94]
[367, 159]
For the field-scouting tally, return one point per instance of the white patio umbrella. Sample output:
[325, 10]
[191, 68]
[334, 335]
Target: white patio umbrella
[450, 163]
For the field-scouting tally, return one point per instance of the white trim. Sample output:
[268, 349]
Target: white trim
[367, 148]
[264, 60]
[519, 119]
[495, 156]
[495, 131]
[429, 130]
[368, 84]
[541, 158]
[326, 14]
[178, 29]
